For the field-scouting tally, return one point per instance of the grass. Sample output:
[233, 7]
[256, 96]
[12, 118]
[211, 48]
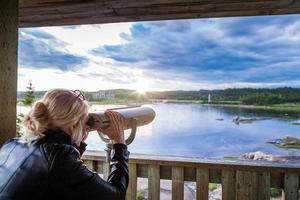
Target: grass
[275, 192]
[230, 157]
[212, 186]
[140, 194]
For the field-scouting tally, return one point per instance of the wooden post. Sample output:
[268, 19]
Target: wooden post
[228, 185]
[132, 187]
[291, 186]
[202, 181]
[154, 182]
[246, 185]
[8, 67]
[177, 183]
[263, 183]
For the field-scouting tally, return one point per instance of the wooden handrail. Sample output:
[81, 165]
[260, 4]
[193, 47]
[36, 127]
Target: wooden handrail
[240, 179]
[175, 161]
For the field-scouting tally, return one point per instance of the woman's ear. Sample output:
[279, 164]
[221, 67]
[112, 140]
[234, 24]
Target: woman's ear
[71, 128]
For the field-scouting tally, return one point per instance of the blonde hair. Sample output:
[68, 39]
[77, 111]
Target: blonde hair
[56, 110]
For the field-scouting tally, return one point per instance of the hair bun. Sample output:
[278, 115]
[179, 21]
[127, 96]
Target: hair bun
[40, 112]
[37, 119]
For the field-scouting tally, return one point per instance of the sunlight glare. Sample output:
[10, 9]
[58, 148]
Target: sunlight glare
[142, 86]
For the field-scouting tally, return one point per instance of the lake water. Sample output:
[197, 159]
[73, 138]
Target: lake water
[193, 130]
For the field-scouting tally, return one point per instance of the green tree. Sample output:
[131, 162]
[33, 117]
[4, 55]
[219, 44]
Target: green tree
[29, 95]
[19, 124]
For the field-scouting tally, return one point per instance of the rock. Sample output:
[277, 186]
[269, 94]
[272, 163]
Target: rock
[259, 155]
[276, 141]
[287, 142]
[238, 120]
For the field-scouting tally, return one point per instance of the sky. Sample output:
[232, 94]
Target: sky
[216, 53]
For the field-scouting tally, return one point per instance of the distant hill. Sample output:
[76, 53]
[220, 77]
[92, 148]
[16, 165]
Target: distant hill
[117, 93]
[244, 95]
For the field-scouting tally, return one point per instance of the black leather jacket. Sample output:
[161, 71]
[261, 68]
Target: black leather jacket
[50, 168]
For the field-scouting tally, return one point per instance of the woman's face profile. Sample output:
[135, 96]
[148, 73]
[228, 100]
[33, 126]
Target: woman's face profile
[85, 127]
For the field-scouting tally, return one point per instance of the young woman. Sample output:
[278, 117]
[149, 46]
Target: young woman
[45, 162]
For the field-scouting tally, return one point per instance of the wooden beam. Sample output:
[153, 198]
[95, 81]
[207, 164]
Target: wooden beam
[219, 164]
[8, 68]
[67, 12]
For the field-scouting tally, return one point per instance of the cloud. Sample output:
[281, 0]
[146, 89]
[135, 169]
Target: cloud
[38, 49]
[179, 54]
[224, 51]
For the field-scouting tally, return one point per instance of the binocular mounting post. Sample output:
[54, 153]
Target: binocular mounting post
[109, 145]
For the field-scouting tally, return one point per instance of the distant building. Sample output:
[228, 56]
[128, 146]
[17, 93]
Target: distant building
[108, 94]
[209, 98]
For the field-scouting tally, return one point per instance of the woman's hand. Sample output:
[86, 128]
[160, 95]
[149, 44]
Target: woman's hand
[115, 130]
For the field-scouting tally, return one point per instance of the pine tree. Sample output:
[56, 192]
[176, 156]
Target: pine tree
[29, 95]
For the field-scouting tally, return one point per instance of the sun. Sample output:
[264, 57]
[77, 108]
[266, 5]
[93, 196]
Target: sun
[141, 90]
[142, 86]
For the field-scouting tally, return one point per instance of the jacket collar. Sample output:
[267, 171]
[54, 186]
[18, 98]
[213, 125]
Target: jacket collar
[62, 137]
[59, 136]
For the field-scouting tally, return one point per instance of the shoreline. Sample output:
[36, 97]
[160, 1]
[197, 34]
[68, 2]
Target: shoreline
[277, 107]
[288, 107]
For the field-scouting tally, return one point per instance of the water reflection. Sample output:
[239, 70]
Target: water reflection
[192, 130]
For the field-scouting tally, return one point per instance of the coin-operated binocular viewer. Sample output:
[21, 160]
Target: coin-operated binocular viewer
[133, 118]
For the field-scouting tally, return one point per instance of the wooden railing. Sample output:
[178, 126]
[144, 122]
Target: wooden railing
[240, 180]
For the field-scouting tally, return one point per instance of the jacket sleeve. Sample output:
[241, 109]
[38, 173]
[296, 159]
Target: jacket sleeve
[71, 179]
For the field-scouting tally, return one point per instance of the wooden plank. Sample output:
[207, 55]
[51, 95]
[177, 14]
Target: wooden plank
[177, 183]
[201, 8]
[228, 185]
[212, 164]
[35, 22]
[8, 68]
[276, 179]
[106, 170]
[128, 3]
[153, 182]
[291, 186]
[68, 10]
[89, 164]
[161, 3]
[99, 167]
[202, 184]
[57, 12]
[246, 185]
[132, 187]
[157, 4]
[263, 183]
